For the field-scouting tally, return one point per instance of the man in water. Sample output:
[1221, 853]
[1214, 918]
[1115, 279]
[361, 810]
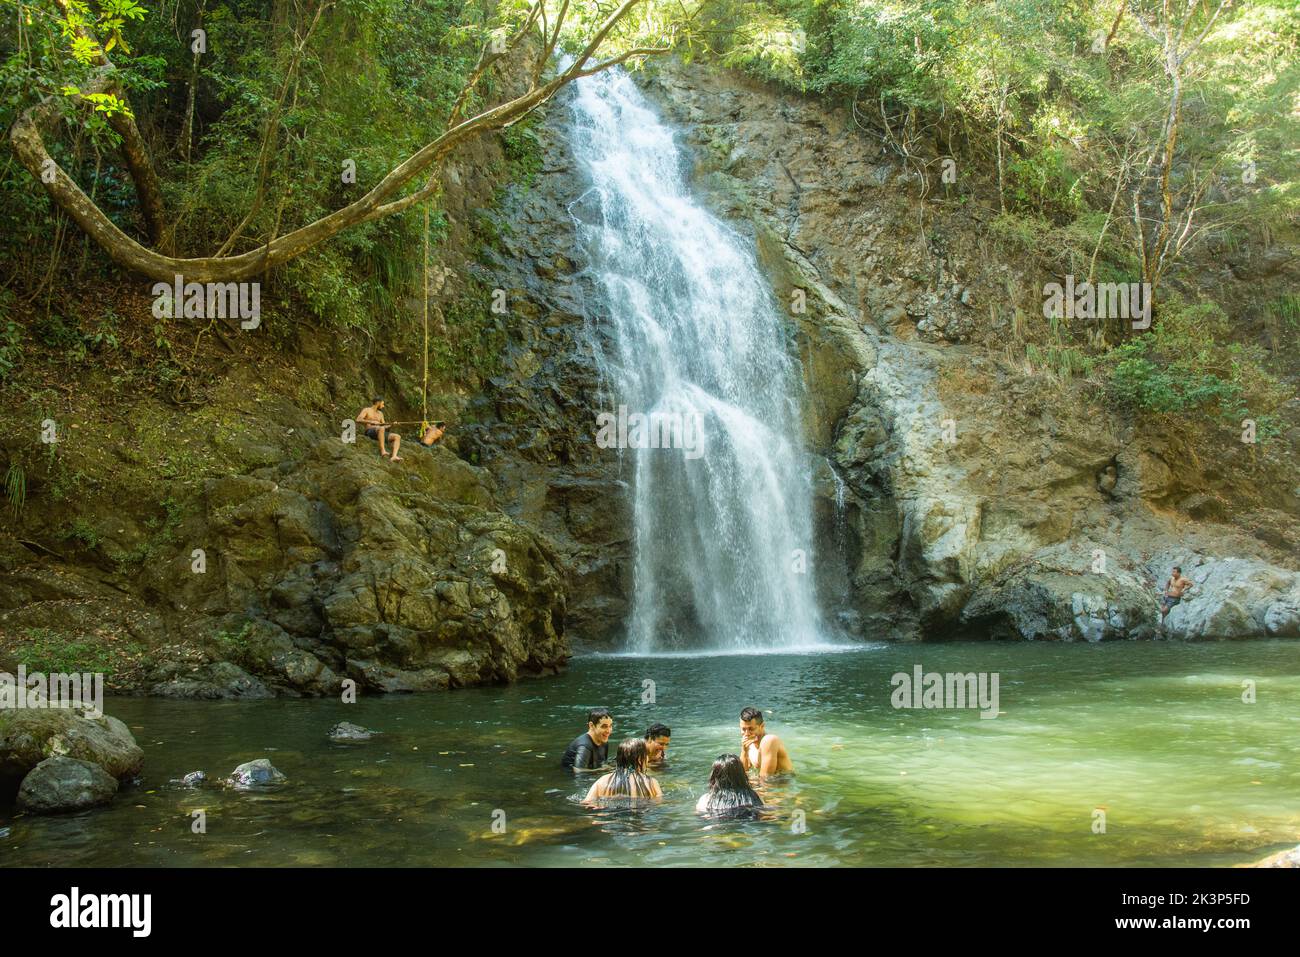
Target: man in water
[760, 751]
[372, 417]
[657, 738]
[590, 749]
[1174, 589]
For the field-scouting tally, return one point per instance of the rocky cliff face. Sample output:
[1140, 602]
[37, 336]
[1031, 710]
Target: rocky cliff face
[475, 561]
[960, 494]
[534, 425]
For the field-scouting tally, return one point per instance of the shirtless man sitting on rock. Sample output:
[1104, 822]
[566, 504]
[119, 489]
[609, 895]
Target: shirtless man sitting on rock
[1174, 589]
[372, 417]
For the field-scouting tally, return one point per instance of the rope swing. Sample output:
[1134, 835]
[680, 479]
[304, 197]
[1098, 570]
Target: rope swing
[424, 381]
[424, 390]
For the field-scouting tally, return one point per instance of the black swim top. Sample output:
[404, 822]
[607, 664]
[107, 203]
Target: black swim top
[583, 753]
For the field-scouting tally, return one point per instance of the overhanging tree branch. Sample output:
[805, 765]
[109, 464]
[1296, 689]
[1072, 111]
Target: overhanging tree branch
[384, 199]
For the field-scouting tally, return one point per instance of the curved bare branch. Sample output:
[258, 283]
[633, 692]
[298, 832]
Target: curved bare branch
[384, 199]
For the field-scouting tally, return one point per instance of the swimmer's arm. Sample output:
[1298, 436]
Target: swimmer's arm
[769, 752]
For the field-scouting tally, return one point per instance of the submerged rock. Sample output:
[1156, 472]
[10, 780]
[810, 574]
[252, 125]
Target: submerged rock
[346, 731]
[194, 779]
[1288, 858]
[61, 784]
[255, 774]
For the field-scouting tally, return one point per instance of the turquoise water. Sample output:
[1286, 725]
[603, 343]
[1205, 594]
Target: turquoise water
[1155, 734]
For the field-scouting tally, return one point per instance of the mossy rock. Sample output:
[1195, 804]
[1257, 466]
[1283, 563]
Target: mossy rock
[29, 736]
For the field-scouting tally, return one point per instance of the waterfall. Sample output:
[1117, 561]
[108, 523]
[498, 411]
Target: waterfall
[692, 337]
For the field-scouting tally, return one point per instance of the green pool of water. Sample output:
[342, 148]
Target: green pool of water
[1154, 734]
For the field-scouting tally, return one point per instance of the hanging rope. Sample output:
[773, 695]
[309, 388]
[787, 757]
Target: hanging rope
[424, 391]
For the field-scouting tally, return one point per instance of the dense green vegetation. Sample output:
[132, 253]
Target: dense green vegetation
[291, 114]
[1046, 81]
[1188, 363]
[1058, 112]
[1055, 112]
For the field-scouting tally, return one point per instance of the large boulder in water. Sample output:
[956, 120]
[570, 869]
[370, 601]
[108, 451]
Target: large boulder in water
[28, 736]
[62, 784]
[1057, 595]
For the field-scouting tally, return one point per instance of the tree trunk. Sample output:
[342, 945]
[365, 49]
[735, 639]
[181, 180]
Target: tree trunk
[148, 188]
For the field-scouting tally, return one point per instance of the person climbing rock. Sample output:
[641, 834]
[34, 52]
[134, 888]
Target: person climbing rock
[1175, 587]
[372, 417]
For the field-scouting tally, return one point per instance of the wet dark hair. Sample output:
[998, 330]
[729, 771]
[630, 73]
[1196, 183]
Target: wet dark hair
[377, 399]
[597, 715]
[658, 731]
[629, 778]
[1179, 569]
[751, 714]
[729, 793]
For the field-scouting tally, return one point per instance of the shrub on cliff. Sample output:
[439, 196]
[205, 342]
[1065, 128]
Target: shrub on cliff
[1184, 366]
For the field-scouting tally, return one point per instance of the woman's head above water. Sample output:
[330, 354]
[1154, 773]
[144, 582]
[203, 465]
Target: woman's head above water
[729, 792]
[728, 774]
[632, 755]
[628, 779]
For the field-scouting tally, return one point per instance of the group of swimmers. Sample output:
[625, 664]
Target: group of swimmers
[729, 792]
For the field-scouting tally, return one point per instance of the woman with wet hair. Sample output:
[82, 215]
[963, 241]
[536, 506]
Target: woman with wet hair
[629, 778]
[729, 793]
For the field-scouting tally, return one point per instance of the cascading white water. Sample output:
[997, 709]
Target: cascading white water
[723, 539]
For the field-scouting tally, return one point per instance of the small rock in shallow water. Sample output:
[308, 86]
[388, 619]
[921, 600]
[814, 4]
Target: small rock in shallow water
[194, 779]
[259, 773]
[345, 731]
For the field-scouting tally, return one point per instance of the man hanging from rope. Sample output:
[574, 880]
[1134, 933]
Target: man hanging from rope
[372, 417]
[432, 433]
